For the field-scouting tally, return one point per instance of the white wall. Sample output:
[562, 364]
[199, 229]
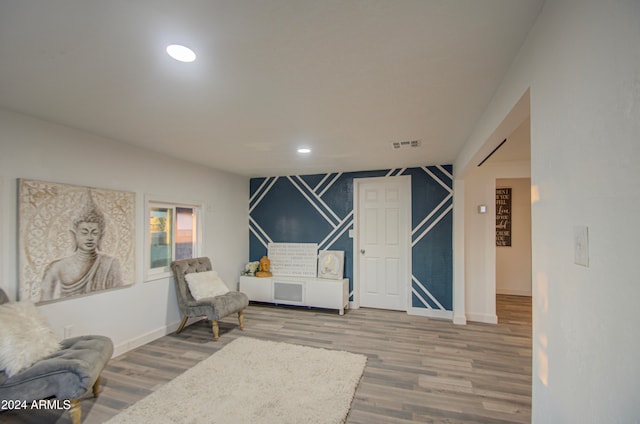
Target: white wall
[35, 149]
[581, 63]
[513, 263]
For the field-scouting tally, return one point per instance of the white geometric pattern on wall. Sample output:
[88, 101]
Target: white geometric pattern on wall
[319, 209]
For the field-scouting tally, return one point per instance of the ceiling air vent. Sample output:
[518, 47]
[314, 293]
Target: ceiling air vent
[405, 144]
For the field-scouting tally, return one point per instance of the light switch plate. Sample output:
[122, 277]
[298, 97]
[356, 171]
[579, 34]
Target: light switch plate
[581, 245]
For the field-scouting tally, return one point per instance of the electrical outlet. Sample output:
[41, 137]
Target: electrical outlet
[581, 245]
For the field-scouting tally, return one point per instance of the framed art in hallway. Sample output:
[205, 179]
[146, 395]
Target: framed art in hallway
[503, 216]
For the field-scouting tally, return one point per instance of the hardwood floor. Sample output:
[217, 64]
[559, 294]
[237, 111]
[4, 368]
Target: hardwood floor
[418, 369]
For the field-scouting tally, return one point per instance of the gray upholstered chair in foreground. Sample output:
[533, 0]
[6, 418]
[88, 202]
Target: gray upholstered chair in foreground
[214, 308]
[66, 374]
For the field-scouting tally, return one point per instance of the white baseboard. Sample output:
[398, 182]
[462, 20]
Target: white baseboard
[135, 342]
[431, 313]
[459, 319]
[485, 318]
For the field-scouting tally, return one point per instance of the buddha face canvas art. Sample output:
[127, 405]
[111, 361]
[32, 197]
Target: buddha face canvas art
[74, 240]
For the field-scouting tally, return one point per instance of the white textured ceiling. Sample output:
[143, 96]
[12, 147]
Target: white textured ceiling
[345, 78]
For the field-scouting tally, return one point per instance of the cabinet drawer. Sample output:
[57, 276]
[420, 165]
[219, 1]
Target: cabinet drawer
[258, 289]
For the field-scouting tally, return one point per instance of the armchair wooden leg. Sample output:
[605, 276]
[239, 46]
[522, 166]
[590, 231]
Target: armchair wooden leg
[182, 323]
[96, 387]
[241, 319]
[75, 412]
[216, 330]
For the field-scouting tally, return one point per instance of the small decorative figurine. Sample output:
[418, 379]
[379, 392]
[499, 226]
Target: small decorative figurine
[265, 264]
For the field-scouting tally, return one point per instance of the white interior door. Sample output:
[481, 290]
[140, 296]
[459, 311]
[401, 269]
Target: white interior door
[383, 231]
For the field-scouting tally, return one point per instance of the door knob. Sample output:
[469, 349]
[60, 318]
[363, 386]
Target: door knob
[362, 251]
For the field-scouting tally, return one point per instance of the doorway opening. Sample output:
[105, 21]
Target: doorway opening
[513, 271]
[513, 251]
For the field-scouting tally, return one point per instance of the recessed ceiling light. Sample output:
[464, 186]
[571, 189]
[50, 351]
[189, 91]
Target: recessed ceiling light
[304, 150]
[181, 53]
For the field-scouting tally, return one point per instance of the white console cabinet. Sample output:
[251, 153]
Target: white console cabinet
[301, 291]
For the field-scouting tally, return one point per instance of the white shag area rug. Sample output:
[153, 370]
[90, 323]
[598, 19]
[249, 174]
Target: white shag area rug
[256, 381]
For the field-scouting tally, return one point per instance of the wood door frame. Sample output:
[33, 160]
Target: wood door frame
[406, 179]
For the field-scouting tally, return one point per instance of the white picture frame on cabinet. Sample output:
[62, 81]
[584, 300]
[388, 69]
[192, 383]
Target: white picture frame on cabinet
[331, 264]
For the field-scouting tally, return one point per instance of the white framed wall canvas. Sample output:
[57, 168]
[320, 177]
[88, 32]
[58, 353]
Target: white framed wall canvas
[331, 264]
[293, 259]
[73, 240]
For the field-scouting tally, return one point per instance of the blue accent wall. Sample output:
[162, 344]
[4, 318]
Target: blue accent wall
[319, 209]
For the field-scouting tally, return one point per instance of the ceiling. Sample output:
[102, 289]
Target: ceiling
[517, 146]
[345, 78]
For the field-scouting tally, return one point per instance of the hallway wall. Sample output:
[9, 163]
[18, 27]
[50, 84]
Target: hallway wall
[513, 263]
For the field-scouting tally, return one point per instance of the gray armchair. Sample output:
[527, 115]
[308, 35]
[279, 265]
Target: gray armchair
[214, 308]
[66, 374]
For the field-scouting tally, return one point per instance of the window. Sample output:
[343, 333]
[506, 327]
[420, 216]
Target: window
[173, 234]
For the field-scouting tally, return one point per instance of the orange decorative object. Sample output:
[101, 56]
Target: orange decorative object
[265, 265]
